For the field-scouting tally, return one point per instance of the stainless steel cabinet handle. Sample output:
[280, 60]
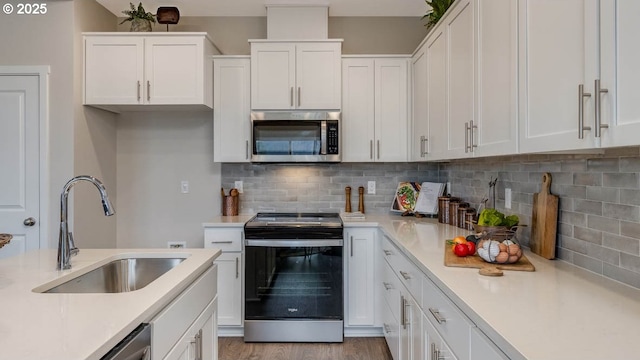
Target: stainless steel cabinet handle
[378, 149]
[222, 242]
[29, 221]
[299, 101]
[199, 345]
[472, 144]
[148, 91]
[237, 268]
[351, 246]
[581, 96]
[387, 286]
[403, 313]
[246, 151]
[438, 355]
[405, 275]
[466, 137]
[434, 351]
[291, 97]
[370, 149]
[437, 316]
[598, 90]
[138, 90]
[387, 252]
[422, 146]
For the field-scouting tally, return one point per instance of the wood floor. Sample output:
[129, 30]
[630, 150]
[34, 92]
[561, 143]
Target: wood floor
[370, 348]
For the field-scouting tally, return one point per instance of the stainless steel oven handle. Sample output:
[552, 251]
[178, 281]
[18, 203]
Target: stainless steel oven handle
[292, 243]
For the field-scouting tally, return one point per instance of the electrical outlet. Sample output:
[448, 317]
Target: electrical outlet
[238, 186]
[176, 244]
[184, 186]
[507, 198]
[371, 187]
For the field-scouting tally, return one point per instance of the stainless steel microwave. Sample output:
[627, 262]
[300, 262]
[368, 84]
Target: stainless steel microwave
[295, 136]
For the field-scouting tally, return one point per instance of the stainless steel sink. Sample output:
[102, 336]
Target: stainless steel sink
[118, 276]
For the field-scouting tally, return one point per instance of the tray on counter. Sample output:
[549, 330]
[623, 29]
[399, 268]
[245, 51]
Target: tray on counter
[450, 259]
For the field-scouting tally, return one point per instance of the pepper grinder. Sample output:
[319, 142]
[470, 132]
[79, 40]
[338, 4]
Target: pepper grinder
[361, 199]
[347, 205]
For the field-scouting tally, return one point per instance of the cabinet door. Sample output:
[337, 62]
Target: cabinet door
[273, 74]
[497, 78]
[481, 348]
[199, 342]
[437, 108]
[231, 107]
[358, 110]
[460, 59]
[434, 347]
[230, 289]
[420, 133]
[318, 76]
[391, 109]
[414, 326]
[391, 328]
[113, 70]
[558, 52]
[174, 70]
[620, 56]
[360, 281]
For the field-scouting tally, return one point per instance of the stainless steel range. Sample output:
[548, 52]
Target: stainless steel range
[294, 278]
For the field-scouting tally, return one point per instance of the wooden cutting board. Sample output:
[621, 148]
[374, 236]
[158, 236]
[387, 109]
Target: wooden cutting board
[544, 221]
[450, 259]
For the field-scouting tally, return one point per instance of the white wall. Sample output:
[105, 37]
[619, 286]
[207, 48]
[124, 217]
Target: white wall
[47, 40]
[155, 151]
[94, 141]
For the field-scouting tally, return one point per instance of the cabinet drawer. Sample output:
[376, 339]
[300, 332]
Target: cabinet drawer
[408, 273]
[391, 329]
[172, 322]
[391, 289]
[225, 239]
[450, 322]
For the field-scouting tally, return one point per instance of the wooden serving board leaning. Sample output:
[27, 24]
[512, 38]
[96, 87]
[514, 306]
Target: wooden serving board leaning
[488, 269]
[544, 221]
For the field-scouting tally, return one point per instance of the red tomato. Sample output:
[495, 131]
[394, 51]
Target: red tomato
[461, 250]
[472, 247]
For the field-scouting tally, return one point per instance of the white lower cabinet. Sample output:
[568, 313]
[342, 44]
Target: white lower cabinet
[186, 328]
[200, 342]
[434, 347]
[481, 348]
[230, 272]
[360, 274]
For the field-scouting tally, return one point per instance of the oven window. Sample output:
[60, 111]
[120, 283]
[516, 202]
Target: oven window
[286, 138]
[293, 283]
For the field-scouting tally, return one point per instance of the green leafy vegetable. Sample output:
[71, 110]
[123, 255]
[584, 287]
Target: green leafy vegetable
[493, 217]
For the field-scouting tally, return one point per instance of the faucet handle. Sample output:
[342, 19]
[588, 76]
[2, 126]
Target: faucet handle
[72, 245]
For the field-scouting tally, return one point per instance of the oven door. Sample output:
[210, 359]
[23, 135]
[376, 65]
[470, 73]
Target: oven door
[293, 280]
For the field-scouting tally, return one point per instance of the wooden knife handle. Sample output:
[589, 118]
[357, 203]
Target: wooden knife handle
[347, 205]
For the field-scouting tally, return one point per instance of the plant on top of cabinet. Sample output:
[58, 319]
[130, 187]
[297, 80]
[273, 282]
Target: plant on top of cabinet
[438, 8]
[140, 19]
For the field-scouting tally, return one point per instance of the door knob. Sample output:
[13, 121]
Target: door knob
[29, 221]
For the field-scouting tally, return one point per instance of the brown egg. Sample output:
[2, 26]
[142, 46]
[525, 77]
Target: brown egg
[519, 253]
[513, 249]
[479, 244]
[513, 259]
[502, 247]
[502, 257]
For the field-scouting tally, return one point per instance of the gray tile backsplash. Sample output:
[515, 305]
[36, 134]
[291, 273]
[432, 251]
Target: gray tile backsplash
[599, 207]
[320, 187]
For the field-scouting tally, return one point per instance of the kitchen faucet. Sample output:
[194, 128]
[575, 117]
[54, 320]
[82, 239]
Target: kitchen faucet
[66, 246]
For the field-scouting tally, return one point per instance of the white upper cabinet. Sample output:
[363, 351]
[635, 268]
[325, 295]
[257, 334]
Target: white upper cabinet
[301, 75]
[375, 114]
[558, 53]
[420, 134]
[495, 130]
[231, 109]
[437, 109]
[123, 70]
[619, 59]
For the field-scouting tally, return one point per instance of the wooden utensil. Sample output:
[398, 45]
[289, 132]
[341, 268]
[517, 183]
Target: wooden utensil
[347, 204]
[361, 199]
[544, 221]
[487, 269]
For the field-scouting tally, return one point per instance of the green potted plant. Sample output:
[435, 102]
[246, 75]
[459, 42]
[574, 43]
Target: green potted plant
[438, 8]
[140, 19]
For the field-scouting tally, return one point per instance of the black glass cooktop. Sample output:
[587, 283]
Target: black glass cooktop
[294, 226]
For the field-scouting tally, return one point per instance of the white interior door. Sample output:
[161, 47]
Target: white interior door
[19, 161]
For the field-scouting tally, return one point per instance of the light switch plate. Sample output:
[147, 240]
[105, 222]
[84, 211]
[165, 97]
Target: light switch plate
[238, 186]
[507, 198]
[184, 186]
[371, 187]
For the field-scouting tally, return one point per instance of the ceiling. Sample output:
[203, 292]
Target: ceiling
[257, 7]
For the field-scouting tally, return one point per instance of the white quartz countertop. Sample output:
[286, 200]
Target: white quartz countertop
[40, 326]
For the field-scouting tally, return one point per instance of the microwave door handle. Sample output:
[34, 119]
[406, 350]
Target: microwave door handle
[323, 137]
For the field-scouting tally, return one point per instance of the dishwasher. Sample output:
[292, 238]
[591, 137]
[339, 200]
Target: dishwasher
[135, 346]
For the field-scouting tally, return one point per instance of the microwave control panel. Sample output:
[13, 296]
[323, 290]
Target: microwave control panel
[332, 138]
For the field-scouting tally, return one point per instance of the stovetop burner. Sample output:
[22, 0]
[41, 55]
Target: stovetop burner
[294, 226]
